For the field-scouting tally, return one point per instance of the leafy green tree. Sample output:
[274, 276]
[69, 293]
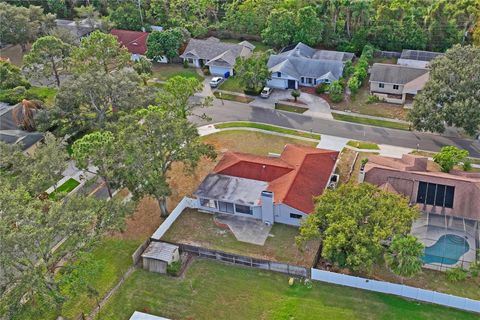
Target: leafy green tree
[176, 94]
[404, 256]
[451, 95]
[92, 17]
[127, 16]
[249, 16]
[11, 76]
[354, 84]
[97, 149]
[280, 28]
[143, 67]
[295, 94]
[99, 52]
[152, 140]
[22, 25]
[335, 91]
[450, 156]
[253, 72]
[353, 220]
[309, 27]
[166, 43]
[48, 58]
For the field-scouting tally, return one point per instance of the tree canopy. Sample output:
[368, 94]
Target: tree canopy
[11, 76]
[452, 94]
[252, 71]
[450, 156]
[353, 220]
[166, 43]
[127, 16]
[404, 256]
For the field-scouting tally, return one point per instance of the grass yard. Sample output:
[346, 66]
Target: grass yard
[232, 97]
[363, 145]
[166, 71]
[345, 163]
[268, 127]
[212, 290]
[372, 122]
[46, 94]
[290, 108]
[198, 229]
[358, 103]
[66, 187]
[232, 84]
[358, 164]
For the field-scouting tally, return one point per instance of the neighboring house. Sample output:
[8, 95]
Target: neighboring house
[218, 56]
[306, 66]
[78, 29]
[134, 41]
[417, 58]
[272, 189]
[396, 83]
[11, 131]
[145, 316]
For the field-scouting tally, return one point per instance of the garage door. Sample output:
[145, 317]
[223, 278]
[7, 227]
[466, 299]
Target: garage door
[277, 83]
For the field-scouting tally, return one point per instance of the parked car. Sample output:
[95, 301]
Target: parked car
[266, 92]
[215, 82]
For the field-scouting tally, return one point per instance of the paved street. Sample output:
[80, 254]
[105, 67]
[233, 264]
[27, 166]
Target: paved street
[234, 111]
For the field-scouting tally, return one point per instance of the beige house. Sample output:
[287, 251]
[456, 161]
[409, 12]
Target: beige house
[395, 83]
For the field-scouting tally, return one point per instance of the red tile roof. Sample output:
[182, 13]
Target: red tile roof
[300, 173]
[134, 41]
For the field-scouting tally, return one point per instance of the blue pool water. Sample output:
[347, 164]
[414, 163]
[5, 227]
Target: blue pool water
[447, 250]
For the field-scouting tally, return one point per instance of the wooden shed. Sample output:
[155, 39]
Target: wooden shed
[159, 255]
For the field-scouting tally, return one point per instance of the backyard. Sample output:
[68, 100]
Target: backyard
[212, 290]
[199, 229]
[164, 72]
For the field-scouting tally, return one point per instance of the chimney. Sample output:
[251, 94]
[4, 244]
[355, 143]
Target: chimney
[267, 207]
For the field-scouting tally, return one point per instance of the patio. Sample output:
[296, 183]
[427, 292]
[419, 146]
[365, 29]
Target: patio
[245, 229]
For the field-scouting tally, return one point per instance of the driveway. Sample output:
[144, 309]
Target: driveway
[317, 107]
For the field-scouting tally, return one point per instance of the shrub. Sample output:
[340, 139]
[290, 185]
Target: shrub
[467, 165]
[456, 274]
[348, 69]
[373, 99]
[295, 94]
[354, 84]
[206, 71]
[474, 269]
[321, 88]
[174, 268]
[185, 64]
[11, 76]
[336, 91]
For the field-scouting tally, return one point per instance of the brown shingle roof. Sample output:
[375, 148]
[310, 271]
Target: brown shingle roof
[393, 73]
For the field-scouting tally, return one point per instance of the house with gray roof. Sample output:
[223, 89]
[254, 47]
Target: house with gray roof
[417, 58]
[302, 65]
[395, 83]
[218, 56]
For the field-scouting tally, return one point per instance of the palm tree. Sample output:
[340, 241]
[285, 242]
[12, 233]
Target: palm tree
[404, 256]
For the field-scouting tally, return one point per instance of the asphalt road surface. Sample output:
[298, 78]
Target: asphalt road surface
[234, 111]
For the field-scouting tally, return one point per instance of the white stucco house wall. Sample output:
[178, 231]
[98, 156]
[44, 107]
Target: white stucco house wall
[271, 189]
[218, 56]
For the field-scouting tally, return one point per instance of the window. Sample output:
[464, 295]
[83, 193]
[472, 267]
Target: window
[279, 74]
[309, 81]
[295, 216]
[381, 85]
[208, 203]
[435, 194]
[243, 209]
[190, 60]
[225, 207]
[395, 87]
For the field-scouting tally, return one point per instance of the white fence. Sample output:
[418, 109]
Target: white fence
[185, 203]
[397, 289]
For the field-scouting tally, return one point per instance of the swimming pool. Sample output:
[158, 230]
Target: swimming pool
[447, 250]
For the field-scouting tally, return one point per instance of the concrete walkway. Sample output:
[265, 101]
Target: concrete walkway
[245, 229]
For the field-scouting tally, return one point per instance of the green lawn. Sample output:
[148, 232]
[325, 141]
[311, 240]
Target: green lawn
[167, 71]
[290, 108]
[45, 94]
[372, 122]
[211, 290]
[268, 127]
[199, 229]
[65, 187]
[232, 97]
[363, 145]
[232, 84]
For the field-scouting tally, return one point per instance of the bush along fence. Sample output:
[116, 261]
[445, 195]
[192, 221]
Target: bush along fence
[423, 295]
[360, 72]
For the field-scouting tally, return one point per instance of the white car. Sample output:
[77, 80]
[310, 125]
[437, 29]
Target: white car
[215, 82]
[266, 92]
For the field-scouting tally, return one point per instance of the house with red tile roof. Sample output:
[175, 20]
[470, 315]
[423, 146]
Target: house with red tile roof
[273, 189]
[134, 41]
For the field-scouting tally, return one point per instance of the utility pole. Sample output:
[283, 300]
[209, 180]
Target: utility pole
[140, 11]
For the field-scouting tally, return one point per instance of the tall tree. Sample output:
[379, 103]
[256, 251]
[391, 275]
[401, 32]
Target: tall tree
[48, 58]
[11, 76]
[309, 27]
[21, 25]
[166, 43]
[253, 72]
[97, 149]
[404, 256]
[152, 140]
[127, 16]
[353, 220]
[452, 93]
[280, 28]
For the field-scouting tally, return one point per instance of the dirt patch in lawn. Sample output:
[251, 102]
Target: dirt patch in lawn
[345, 163]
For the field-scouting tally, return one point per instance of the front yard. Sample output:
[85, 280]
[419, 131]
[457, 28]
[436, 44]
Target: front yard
[166, 71]
[232, 84]
[212, 290]
[198, 229]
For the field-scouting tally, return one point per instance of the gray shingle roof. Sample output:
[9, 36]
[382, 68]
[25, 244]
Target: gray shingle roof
[210, 49]
[160, 251]
[305, 67]
[393, 73]
[419, 55]
[303, 51]
[10, 132]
